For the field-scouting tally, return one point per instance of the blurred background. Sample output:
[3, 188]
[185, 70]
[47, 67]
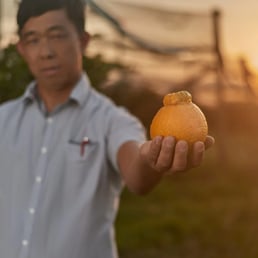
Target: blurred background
[142, 50]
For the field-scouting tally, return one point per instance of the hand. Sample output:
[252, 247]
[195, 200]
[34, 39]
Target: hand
[167, 156]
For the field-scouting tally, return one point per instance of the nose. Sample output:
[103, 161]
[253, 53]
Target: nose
[46, 50]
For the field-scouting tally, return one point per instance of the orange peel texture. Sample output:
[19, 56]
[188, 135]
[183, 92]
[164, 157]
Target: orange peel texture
[181, 118]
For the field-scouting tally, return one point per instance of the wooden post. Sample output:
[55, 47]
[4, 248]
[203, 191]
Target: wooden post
[221, 129]
[216, 15]
[1, 23]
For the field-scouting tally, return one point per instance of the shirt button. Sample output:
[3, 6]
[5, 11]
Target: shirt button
[25, 242]
[43, 150]
[32, 211]
[50, 120]
[38, 179]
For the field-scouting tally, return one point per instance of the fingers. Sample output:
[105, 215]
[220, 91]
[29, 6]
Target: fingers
[209, 141]
[180, 157]
[186, 159]
[165, 156]
[197, 154]
[154, 151]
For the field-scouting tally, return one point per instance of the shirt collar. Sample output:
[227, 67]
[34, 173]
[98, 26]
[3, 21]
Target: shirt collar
[30, 93]
[79, 93]
[81, 90]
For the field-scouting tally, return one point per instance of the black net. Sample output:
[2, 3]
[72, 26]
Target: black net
[162, 30]
[172, 46]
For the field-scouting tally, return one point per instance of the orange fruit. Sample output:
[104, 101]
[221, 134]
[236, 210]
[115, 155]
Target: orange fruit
[181, 118]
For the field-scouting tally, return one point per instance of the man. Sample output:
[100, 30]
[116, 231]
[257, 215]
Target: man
[66, 150]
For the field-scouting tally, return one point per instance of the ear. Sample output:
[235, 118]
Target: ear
[20, 48]
[85, 38]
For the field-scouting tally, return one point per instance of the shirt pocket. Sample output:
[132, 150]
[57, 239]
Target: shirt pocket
[80, 152]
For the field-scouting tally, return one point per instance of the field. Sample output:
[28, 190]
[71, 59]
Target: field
[208, 212]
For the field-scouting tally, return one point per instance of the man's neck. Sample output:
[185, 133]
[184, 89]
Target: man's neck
[56, 94]
[54, 98]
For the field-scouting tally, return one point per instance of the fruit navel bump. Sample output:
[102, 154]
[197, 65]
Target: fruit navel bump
[181, 118]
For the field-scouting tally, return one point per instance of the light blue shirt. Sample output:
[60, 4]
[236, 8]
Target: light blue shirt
[59, 178]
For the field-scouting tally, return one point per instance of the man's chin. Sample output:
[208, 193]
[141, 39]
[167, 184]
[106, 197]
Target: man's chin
[55, 84]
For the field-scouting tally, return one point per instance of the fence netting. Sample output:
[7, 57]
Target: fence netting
[157, 29]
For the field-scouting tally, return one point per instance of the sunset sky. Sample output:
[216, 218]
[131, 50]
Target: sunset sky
[239, 22]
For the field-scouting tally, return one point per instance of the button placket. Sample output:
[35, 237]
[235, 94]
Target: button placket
[36, 191]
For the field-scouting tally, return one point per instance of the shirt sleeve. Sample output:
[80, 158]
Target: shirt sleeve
[123, 127]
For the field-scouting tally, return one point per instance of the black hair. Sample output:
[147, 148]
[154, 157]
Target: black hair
[75, 10]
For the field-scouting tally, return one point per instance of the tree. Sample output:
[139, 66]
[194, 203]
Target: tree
[15, 75]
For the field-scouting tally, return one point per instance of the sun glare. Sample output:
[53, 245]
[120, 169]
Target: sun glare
[254, 62]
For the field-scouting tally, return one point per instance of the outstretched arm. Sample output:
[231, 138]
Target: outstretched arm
[143, 166]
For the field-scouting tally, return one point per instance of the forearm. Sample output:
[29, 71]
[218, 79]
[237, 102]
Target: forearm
[139, 177]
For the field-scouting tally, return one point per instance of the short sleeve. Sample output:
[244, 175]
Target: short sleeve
[123, 127]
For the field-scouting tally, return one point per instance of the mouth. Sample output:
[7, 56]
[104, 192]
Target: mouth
[50, 71]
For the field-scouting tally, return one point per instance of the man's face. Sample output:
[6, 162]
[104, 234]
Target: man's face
[53, 48]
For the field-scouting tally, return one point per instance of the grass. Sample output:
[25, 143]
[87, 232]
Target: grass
[209, 212]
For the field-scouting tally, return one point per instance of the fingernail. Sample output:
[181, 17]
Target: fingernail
[200, 148]
[169, 141]
[183, 146]
[158, 139]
